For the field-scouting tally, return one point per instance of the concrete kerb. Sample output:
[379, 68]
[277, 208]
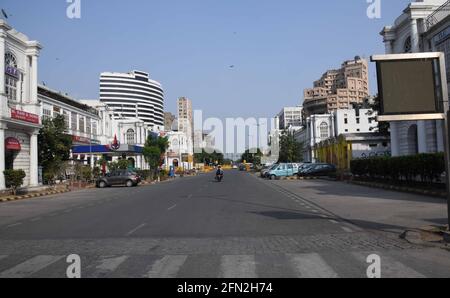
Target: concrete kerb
[30, 196]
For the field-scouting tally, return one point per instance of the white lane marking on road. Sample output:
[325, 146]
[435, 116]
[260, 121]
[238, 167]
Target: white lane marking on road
[315, 211]
[311, 266]
[36, 219]
[334, 222]
[136, 229]
[30, 266]
[190, 196]
[348, 230]
[14, 225]
[174, 206]
[108, 265]
[167, 267]
[390, 268]
[239, 266]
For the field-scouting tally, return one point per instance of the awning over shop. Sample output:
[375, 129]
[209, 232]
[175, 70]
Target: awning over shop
[106, 149]
[13, 144]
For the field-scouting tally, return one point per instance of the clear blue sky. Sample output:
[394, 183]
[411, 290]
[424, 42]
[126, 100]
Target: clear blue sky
[278, 47]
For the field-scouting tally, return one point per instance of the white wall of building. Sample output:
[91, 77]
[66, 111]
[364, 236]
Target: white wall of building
[322, 127]
[18, 92]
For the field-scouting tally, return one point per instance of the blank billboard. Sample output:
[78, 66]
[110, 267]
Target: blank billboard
[408, 87]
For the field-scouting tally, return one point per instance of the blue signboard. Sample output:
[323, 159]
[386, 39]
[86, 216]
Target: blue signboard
[12, 71]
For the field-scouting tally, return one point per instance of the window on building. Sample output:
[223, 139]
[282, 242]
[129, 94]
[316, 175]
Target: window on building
[74, 121]
[131, 137]
[81, 121]
[324, 133]
[408, 45]
[358, 121]
[345, 121]
[46, 113]
[66, 119]
[88, 125]
[56, 110]
[94, 128]
[11, 82]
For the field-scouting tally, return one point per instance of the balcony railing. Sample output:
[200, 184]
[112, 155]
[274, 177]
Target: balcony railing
[437, 16]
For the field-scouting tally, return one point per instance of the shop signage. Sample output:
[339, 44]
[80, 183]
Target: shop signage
[441, 36]
[24, 116]
[12, 71]
[82, 140]
[115, 144]
[13, 144]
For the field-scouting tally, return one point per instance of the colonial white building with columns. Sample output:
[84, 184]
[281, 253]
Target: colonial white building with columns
[424, 26]
[322, 127]
[19, 106]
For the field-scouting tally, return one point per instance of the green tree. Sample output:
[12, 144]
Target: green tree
[209, 158]
[383, 127]
[251, 157]
[154, 151]
[290, 149]
[14, 179]
[54, 146]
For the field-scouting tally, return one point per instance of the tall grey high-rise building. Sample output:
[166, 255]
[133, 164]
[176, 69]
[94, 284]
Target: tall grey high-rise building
[185, 117]
[133, 95]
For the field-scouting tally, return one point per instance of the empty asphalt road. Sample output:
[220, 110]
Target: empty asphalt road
[195, 227]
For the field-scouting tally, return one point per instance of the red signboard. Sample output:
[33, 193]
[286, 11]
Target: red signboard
[13, 144]
[24, 116]
[82, 140]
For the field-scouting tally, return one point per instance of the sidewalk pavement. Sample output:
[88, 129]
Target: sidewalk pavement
[371, 208]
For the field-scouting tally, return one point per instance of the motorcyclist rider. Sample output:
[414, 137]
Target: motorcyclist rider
[219, 172]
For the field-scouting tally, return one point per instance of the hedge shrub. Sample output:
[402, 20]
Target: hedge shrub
[14, 179]
[426, 167]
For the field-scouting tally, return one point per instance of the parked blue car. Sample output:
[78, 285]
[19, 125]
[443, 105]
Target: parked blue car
[283, 170]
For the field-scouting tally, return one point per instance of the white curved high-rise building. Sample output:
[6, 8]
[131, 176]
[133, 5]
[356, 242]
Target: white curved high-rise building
[133, 95]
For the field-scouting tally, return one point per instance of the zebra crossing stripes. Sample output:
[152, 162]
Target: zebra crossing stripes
[30, 267]
[167, 267]
[240, 266]
[305, 265]
[108, 265]
[312, 266]
[391, 268]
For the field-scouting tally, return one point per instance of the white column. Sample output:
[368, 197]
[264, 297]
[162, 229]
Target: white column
[34, 174]
[2, 156]
[440, 135]
[414, 36]
[2, 64]
[395, 146]
[389, 49]
[34, 79]
[422, 136]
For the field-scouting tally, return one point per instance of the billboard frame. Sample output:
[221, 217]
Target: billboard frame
[443, 85]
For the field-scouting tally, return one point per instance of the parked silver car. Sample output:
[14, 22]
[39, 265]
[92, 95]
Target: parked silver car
[126, 178]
